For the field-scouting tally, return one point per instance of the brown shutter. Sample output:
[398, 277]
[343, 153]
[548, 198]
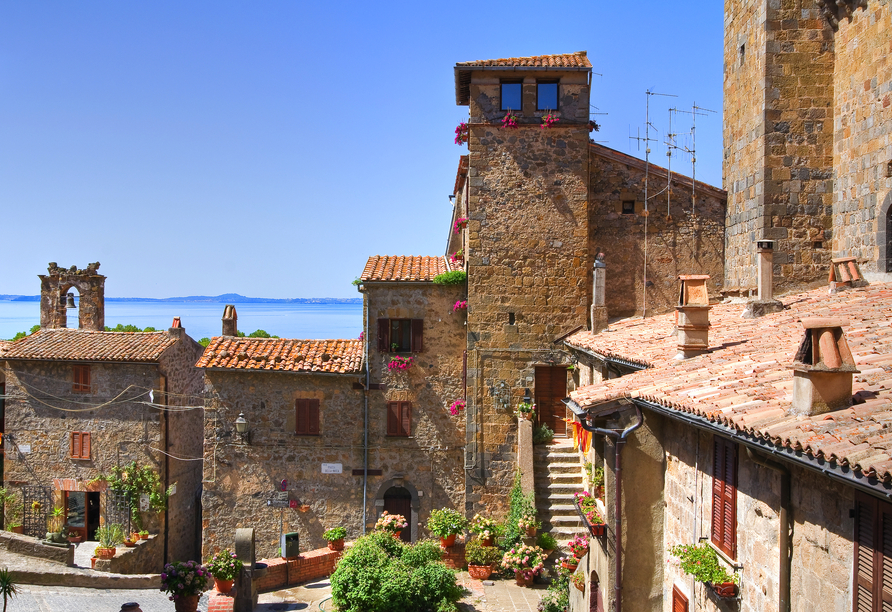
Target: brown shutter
[883, 574]
[302, 418]
[724, 496]
[393, 418]
[313, 417]
[406, 418]
[417, 335]
[679, 601]
[865, 554]
[718, 489]
[75, 446]
[85, 445]
[383, 335]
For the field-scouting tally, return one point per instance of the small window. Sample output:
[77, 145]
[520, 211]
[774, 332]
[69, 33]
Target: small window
[724, 496]
[742, 54]
[80, 445]
[873, 552]
[511, 318]
[400, 335]
[547, 95]
[81, 379]
[512, 92]
[628, 207]
[399, 419]
[306, 419]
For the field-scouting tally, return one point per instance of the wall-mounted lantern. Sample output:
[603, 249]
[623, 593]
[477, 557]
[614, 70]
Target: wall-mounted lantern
[241, 428]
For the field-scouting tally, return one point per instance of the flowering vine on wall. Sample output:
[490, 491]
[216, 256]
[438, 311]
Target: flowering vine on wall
[461, 133]
[460, 305]
[457, 405]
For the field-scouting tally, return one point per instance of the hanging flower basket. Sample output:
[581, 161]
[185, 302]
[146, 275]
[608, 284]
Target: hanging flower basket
[460, 224]
[509, 120]
[400, 363]
[548, 120]
[461, 133]
[457, 405]
[588, 512]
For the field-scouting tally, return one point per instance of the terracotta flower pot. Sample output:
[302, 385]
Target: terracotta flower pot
[105, 553]
[531, 532]
[186, 603]
[93, 562]
[397, 534]
[570, 564]
[143, 536]
[223, 586]
[581, 588]
[18, 529]
[487, 541]
[336, 544]
[598, 529]
[75, 539]
[479, 572]
[129, 543]
[448, 541]
[521, 581]
[725, 589]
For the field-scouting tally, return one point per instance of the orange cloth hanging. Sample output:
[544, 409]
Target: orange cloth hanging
[576, 427]
[586, 440]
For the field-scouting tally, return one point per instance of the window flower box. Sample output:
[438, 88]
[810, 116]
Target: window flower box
[460, 224]
[399, 363]
[723, 590]
[587, 509]
[509, 120]
[549, 119]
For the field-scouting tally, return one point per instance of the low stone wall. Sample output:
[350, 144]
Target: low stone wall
[32, 547]
[144, 558]
[218, 602]
[308, 566]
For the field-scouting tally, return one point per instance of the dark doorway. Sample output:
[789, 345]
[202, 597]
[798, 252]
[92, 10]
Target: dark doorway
[398, 500]
[551, 388]
[82, 510]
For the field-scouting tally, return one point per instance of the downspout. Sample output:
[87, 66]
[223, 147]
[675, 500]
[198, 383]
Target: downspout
[365, 426]
[620, 437]
[786, 528]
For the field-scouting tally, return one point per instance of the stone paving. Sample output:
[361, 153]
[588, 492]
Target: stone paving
[37, 598]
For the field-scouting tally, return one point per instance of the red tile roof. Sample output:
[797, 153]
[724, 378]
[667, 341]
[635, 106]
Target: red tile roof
[82, 345]
[408, 268]
[746, 383]
[564, 61]
[283, 355]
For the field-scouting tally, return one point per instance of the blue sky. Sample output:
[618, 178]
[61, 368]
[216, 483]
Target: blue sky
[268, 148]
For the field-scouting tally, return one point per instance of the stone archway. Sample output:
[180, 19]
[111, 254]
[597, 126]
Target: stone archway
[90, 286]
[884, 236]
[395, 489]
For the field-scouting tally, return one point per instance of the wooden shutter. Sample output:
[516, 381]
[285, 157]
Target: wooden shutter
[872, 590]
[313, 417]
[393, 418]
[81, 375]
[724, 496]
[302, 417]
[405, 418]
[417, 335]
[85, 445]
[75, 446]
[679, 601]
[383, 335]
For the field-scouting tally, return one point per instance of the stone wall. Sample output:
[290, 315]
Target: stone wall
[682, 239]
[862, 148]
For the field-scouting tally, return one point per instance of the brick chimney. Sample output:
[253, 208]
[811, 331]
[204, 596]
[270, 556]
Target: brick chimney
[765, 302]
[844, 274]
[599, 310]
[176, 329]
[692, 315]
[822, 369]
[230, 321]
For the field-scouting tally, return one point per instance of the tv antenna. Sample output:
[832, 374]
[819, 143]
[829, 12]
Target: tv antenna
[694, 112]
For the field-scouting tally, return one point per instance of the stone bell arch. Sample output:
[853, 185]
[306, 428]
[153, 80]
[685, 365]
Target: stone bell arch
[54, 287]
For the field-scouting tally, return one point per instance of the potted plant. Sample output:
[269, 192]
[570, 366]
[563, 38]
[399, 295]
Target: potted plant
[143, 535]
[130, 541]
[546, 542]
[529, 524]
[579, 582]
[460, 305]
[525, 410]
[400, 363]
[458, 257]
[391, 523]
[578, 546]
[509, 120]
[55, 523]
[446, 524]
[75, 537]
[525, 561]
[109, 536]
[569, 563]
[702, 562]
[460, 224]
[588, 510]
[15, 527]
[224, 567]
[335, 538]
[461, 133]
[484, 528]
[481, 559]
[457, 405]
[549, 119]
[184, 582]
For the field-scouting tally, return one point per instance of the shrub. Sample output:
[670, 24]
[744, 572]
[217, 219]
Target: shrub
[557, 598]
[483, 527]
[456, 277]
[546, 541]
[335, 533]
[520, 505]
[702, 562]
[543, 434]
[224, 565]
[446, 522]
[478, 554]
[380, 574]
[184, 579]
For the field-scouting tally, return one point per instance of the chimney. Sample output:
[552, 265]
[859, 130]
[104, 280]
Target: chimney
[692, 314]
[822, 369]
[845, 274]
[765, 302]
[176, 329]
[230, 321]
[599, 310]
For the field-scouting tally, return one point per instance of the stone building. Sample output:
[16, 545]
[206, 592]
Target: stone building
[808, 136]
[81, 401]
[333, 430]
[771, 446]
[541, 204]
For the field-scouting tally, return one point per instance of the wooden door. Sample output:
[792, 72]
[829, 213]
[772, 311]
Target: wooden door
[398, 500]
[551, 388]
[76, 511]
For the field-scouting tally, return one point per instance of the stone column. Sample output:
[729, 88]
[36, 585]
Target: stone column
[599, 310]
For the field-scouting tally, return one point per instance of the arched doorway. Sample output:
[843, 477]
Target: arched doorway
[884, 236]
[398, 500]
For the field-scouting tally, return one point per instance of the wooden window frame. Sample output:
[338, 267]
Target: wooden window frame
[872, 561]
[416, 334]
[79, 445]
[724, 496]
[306, 417]
[81, 379]
[399, 419]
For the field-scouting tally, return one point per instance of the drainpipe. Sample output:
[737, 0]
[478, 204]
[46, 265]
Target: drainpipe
[365, 427]
[786, 527]
[620, 437]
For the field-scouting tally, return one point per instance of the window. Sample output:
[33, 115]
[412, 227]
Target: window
[628, 207]
[512, 95]
[400, 335]
[399, 418]
[80, 445]
[679, 601]
[511, 318]
[724, 496]
[81, 379]
[547, 95]
[742, 54]
[306, 418]
[873, 552]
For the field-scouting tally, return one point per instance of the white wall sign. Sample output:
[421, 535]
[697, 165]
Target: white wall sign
[332, 468]
[25, 448]
[144, 503]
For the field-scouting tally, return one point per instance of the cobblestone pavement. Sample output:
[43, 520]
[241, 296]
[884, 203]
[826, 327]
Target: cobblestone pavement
[36, 598]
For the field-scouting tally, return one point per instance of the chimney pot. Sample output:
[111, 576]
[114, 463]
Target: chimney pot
[692, 316]
[844, 273]
[823, 368]
[230, 321]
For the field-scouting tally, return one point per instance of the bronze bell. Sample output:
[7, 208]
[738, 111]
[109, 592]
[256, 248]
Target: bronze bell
[69, 301]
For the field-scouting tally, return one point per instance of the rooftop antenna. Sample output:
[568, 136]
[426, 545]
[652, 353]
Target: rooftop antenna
[694, 112]
[647, 140]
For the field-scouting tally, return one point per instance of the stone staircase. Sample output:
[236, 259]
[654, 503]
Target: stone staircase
[558, 474]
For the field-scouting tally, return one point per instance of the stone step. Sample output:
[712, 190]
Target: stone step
[559, 457]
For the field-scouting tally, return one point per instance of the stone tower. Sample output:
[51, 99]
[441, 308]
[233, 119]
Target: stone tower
[778, 140]
[54, 287]
[526, 248]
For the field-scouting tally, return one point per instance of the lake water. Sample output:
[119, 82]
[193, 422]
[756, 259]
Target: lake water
[305, 321]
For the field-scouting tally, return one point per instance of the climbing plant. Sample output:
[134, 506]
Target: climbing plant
[133, 482]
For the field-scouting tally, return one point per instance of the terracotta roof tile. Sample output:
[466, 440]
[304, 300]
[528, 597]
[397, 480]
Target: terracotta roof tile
[409, 268]
[746, 381]
[82, 345]
[283, 355]
[564, 60]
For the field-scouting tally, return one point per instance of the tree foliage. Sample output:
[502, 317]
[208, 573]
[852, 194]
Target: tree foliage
[128, 328]
[134, 481]
[22, 334]
[456, 277]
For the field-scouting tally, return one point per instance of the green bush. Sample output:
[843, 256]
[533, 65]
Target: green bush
[546, 541]
[543, 434]
[478, 554]
[456, 277]
[335, 533]
[19, 335]
[557, 598]
[446, 522]
[520, 505]
[381, 574]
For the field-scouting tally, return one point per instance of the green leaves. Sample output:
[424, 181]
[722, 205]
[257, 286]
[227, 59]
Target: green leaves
[134, 481]
[702, 562]
[456, 277]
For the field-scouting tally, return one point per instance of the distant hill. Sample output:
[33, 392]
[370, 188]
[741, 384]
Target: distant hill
[226, 298]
